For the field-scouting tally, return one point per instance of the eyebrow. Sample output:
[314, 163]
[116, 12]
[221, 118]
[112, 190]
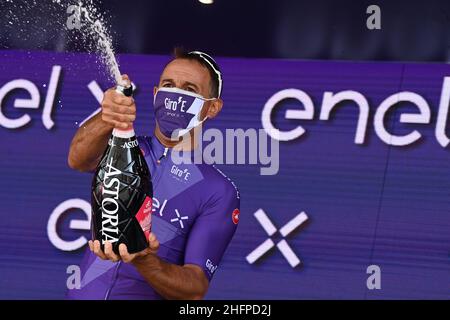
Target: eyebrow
[185, 83]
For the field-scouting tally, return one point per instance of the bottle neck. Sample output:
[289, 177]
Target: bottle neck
[120, 133]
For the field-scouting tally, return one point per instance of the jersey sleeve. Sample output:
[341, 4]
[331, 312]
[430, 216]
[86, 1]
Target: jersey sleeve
[213, 230]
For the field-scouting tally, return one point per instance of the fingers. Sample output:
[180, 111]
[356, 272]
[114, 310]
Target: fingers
[126, 257]
[118, 98]
[117, 121]
[127, 79]
[109, 253]
[118, 110]
[153, 242]
[118, 116]
[122, 100]
[154, 246]
[112, 108]
[98, 250]
[117, 124]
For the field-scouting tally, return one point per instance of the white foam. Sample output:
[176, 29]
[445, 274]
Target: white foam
[33, 19]
[96, 29]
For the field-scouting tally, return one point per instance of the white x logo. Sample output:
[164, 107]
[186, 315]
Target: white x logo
[179, 219]
[283, 246]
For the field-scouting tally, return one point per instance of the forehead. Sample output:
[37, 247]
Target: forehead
[182, 70]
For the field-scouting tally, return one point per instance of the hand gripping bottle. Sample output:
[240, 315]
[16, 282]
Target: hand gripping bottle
[122, 192]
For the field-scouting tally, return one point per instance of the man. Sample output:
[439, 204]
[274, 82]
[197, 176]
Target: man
[195, 214]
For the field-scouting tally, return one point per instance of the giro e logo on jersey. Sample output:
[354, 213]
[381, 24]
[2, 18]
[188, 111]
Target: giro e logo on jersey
[110, 207]
[180, 173]
[173, 105]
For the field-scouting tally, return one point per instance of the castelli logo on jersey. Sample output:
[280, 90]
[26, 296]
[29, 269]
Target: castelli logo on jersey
[235, 216]
[110, 191]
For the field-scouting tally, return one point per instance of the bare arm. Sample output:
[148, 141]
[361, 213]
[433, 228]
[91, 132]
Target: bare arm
[171, 281]
[89, 143]
[91, 139]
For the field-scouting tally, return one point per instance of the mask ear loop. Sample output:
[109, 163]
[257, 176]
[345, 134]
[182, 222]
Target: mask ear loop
[208, 99]
[206, 117]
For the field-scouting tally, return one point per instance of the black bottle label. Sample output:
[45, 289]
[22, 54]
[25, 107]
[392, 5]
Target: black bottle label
[122, 196]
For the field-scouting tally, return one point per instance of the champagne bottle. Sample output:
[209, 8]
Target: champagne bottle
[122, 192]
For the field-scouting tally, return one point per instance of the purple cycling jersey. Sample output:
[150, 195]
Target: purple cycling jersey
[195, 214]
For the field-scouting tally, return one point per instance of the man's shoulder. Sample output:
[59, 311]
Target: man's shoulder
[217, 181]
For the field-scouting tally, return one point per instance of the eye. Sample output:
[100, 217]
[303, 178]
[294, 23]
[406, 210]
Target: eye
[167, 85]
[191, 89]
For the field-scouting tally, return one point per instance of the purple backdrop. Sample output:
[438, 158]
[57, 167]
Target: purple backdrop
[367, 204]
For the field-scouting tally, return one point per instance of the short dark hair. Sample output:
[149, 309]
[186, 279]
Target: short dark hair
[208, 62]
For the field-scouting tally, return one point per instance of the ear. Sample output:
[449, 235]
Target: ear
[155, 89]
[214, 108]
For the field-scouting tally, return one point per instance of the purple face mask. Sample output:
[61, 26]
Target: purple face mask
[177, 111]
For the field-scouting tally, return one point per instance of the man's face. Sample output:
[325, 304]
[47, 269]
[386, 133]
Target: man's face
[188, 75]
[191, 76]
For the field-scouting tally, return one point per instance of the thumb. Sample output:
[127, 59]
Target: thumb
[125, 80]
[153, 242]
